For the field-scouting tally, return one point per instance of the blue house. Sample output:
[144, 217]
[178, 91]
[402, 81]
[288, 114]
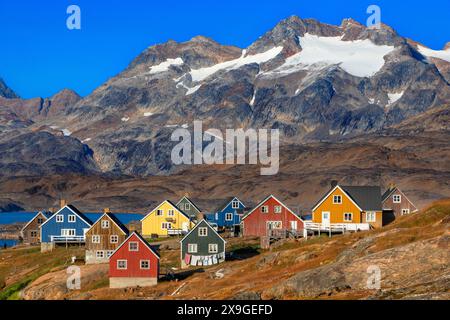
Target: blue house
[228, 214]
[68, 225]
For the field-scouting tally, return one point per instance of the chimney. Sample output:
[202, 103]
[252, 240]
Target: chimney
[106, 210]
[63, 203]
[334, 183]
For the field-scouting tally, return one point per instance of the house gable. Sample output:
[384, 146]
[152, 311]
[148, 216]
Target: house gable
[337, 210]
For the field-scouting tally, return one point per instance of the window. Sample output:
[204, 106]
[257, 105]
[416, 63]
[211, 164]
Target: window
[203, 232]
[145, 264]
[397, 198]
[133, 246]
[235, 204]
[213, 248]
[166, 225]
[217, 216]
[337, 199]
[229, 217]
[348, 216]
[40, 221]
[405, 211]
[109, 253]
[114, 239]
[105, 224]
[72, 218]
[265, 209]
[274, 225]
[159, 212]
[371, 217]
[59, 218]
[95, 239]
[122, 264]
[34, 234]
[277, 209]
[187, 206]
[67, 232]
[171, 213]
[192, 248]
[100, 254]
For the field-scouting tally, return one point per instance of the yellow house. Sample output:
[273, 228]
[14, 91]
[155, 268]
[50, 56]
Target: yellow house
[166, 220]
[355, 207]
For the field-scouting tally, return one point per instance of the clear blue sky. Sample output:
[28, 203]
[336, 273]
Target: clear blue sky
[39, 55]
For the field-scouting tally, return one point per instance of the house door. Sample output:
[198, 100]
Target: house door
[326, 218]
[293, 225]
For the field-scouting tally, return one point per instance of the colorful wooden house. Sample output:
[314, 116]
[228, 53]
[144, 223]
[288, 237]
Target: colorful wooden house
[271, 217]
[31, 233]
[396, 204]
[202, 246]
[188, 207]
[166, 220]
[352, 208]
[134, 264]
[67, 226]
[105, 236]
[228, 215]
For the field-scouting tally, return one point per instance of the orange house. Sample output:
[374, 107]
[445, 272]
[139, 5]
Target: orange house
[353, 207]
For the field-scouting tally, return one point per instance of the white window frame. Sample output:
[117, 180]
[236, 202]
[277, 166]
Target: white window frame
[335, 197]
[109, 253]
[122, 261]
[351, 216]
[72, 218]
[59, 218]
[115, 237]
[277, 209]
[235, 204]
[215, 246]
[166, 225]
[192, 248]
[264, 209]
[96, 238]
[137, 246]
[100, 254]
[371, 214]
[160, 212]
[278, 224]
[171, 213]
[228, 214]
[40, 221]
[405, 211]
[187, 206]
[140, 264]
[68, 232]
[201, 233]
[396, 198]
[105, 224]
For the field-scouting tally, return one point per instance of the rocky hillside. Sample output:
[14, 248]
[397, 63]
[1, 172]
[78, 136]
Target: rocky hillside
[313, 81]
[412, 255]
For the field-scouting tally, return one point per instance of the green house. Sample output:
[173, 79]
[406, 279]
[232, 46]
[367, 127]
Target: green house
[188, 206]
[202, 246]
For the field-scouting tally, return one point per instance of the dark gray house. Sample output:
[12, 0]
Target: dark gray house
[188, 206]
[202, 246]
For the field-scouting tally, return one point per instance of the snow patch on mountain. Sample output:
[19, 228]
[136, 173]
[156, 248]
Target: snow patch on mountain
[201, 74]
[164, 66]
[440, 54]
[148, 114]
[66, 132]
[361, 58]
[394, 97]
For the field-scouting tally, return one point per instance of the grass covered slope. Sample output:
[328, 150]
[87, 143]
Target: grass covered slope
[412, 255]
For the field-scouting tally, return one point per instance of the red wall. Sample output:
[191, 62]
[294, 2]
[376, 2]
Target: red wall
[256, 223]
[134, 258]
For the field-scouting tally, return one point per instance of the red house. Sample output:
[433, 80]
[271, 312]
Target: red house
[133, 264]
[271, 214]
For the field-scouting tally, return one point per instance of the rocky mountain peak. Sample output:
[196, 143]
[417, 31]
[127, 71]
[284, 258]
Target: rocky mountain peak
[6, 92]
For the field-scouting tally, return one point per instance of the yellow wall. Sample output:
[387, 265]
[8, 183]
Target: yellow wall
[152, 223]
[337, 210]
